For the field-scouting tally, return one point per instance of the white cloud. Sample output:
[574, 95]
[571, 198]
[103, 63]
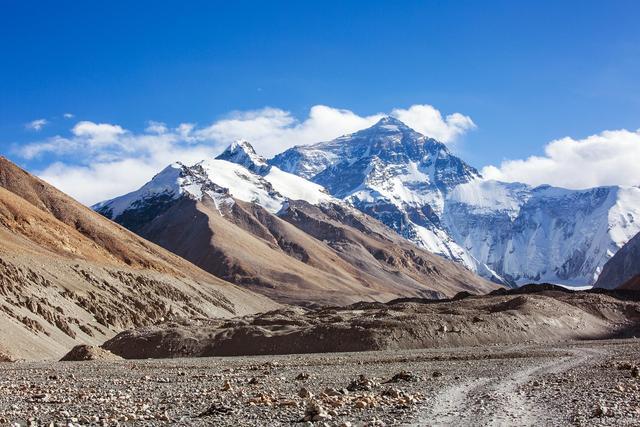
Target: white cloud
[101, 160]
[156, 127]
[608, 158]
[68, 116]
[272, 130]
[102, 180]
[428, 121]
[37, 125]
[98, 133]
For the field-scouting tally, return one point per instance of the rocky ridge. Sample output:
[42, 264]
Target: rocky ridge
[548, 314]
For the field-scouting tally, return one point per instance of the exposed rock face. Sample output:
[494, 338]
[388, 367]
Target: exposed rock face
[508, 232]
[281, 235]
[243, 153]
[511, 318]
[83, 352]
[623, 269]
[68, 275]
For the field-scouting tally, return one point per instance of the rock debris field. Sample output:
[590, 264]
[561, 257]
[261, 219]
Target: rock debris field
[572, 383]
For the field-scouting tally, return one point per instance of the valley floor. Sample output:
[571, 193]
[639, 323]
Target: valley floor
[573, 383]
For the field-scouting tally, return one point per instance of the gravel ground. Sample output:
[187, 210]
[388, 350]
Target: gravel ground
[579, 383]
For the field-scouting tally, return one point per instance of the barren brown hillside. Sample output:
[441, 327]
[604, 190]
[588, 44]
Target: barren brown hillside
[306, 254]
[68, 275]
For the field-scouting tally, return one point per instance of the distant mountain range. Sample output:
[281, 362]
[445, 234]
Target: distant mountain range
[253, 224]
[508, 233]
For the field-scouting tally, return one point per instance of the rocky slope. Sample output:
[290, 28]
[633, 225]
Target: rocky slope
[281, 235]
[623, 269]
[505, 318]
[508, 232]
[69, 276]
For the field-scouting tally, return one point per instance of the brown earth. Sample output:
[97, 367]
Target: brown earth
[505, 318]
[307, 254]
[69, 275]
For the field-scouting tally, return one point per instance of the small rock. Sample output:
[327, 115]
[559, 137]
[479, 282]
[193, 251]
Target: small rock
[624, 365]
[332, 392]
[304, 393]
[600, 411]
[216, 409]
[393, 392]
[361, 404]
[315, 412]
[362, 383]
[403, 376]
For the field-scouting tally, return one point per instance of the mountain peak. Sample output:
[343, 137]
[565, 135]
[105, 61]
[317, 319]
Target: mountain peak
[389, 124]
[390, 121]
[242, 153]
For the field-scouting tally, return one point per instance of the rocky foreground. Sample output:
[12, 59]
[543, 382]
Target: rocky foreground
[574, 383]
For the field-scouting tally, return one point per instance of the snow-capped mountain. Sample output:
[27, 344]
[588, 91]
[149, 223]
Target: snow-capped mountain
[255, 225]
[509, 232]
[236, 173]
[542, 234]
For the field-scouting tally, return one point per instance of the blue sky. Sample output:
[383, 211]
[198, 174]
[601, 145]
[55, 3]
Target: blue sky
[526, 73]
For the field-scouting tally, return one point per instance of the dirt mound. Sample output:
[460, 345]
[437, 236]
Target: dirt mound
[493, 319]
[83, 352]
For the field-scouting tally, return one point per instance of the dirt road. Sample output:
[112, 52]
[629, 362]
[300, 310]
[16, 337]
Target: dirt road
[501, 400]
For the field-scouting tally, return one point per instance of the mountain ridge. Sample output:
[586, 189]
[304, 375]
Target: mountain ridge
[251, 233]
[510, 233]
[433, 198]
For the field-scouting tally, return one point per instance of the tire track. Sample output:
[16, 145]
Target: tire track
[497, 401]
